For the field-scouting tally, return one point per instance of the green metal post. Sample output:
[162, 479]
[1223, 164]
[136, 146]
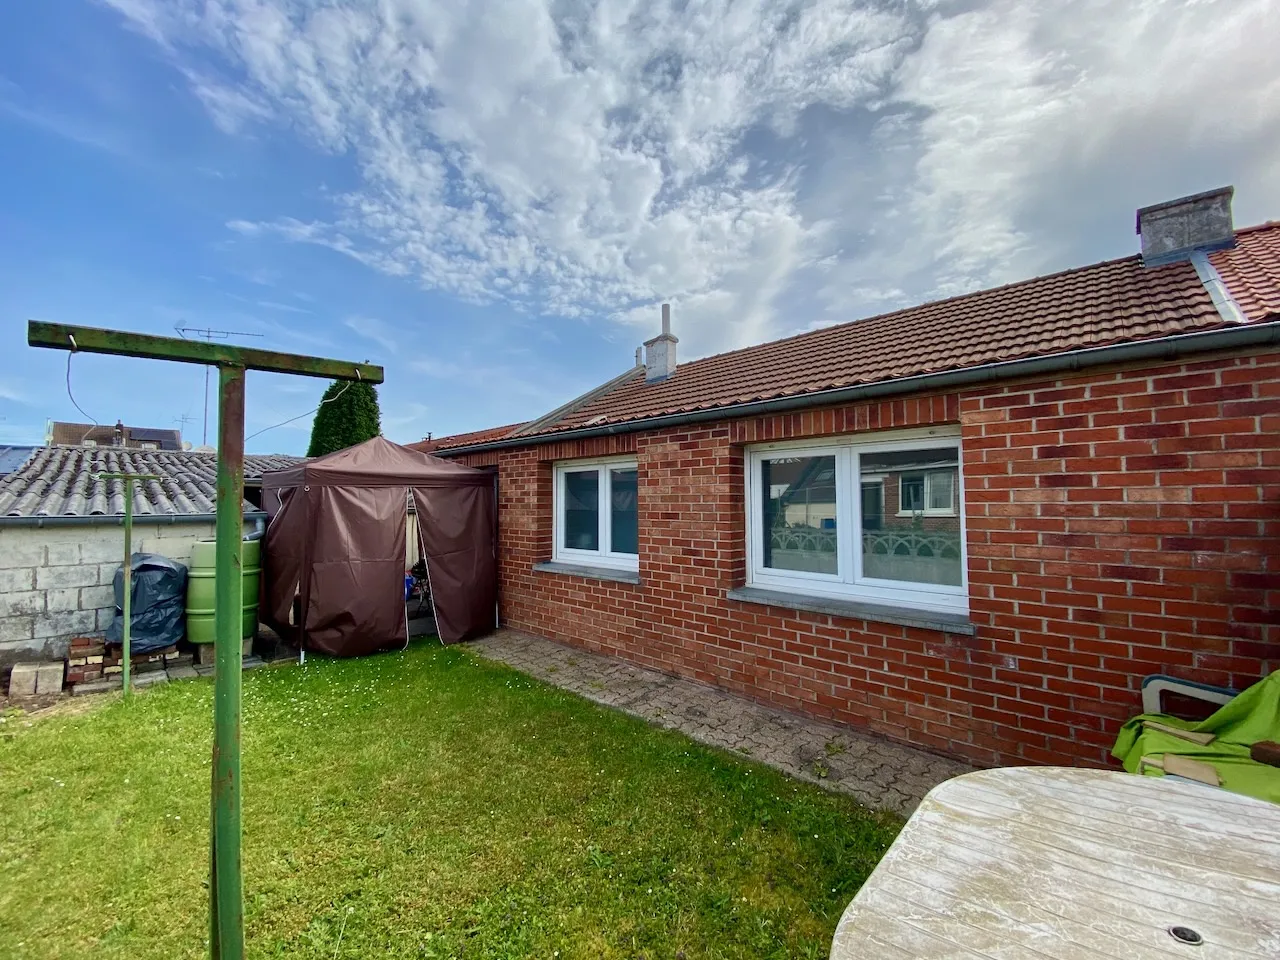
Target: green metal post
[225, 892]
[128, 579]
[226, 914]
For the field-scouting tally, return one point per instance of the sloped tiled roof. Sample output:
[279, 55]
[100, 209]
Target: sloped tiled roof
[1106, 303]
[1251, 271]
[57, 482]
[464, 439]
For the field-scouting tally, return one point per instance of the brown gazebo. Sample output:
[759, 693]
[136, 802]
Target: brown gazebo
[336, 543]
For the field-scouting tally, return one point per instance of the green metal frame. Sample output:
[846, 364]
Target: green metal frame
[126, 629]
[226, 913]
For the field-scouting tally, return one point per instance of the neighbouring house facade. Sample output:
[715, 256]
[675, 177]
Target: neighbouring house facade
[63, 434]
[62, 537]
[973, 525]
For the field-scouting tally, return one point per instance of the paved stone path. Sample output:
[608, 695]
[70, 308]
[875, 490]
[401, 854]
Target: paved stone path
[877, 772]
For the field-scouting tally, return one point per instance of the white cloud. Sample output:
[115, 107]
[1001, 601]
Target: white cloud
[408, 421]
[284, 307]
[1026, 133]
[472, 379]
[10, 391]
[578, 164]
[766, 166]
[231, 108]
[377, 331]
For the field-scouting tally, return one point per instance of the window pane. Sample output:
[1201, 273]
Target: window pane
[911, 489]
[582, 510]
[872, 506]
[624, 525]
[940, 486]
[800, 513]
[905, 543]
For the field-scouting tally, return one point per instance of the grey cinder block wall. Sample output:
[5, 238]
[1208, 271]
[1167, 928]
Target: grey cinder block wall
[55, 582]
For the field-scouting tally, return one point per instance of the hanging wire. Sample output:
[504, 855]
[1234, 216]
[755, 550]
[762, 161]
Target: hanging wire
[96, 424]
[301, 415]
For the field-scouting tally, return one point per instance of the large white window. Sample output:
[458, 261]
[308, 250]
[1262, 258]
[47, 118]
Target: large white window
[879, 520]
[596, 513]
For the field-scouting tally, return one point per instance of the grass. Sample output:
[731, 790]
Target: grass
[419, 804]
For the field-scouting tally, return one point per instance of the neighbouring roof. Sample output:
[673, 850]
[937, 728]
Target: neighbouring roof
[57, 482]
[1105, 303]
[11, 458]
[103, 435]
[432, 444]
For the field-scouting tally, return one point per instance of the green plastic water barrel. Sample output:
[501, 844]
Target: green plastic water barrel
[201, 574]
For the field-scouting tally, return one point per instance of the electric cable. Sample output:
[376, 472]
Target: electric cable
[299, 416]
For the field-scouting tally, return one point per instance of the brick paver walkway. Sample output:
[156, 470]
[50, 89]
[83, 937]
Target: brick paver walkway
[877, 772]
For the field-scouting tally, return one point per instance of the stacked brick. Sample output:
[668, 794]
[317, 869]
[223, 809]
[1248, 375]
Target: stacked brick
[89, 660]
[141, 663]
[1120, 523]
[85, 660]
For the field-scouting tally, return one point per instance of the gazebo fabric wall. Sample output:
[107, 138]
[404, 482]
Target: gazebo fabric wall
[337, 540]
[463, 570]
[358, 554]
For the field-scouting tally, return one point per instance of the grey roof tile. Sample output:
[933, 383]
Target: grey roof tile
[58, 482]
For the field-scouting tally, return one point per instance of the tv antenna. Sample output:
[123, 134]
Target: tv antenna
[182, 422]
[205, 333]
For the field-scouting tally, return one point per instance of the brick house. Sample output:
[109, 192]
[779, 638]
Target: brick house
[972, 525]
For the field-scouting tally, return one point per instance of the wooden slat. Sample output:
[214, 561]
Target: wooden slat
[1072, 865]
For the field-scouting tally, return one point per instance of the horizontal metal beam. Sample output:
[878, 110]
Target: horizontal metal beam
[64, 336]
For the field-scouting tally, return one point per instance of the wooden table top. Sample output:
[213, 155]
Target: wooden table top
[1057, 863]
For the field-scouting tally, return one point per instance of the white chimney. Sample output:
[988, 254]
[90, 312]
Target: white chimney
[1176, 229]
[660, 352]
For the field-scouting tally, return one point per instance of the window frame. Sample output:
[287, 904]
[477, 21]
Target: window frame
[849, 583]
[926, 510]
[605, 556]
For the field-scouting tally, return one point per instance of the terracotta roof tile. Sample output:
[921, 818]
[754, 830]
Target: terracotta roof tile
[1105, 303]
[1251, 270]
[57, 482]
[464, 439]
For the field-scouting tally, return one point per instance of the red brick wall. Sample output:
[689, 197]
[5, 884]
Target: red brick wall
[1119, 524]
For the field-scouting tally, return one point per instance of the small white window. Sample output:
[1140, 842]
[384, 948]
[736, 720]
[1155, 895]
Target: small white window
[875, 520]
[929, 494]
[89, 443]
[596, 520]
[149, 445]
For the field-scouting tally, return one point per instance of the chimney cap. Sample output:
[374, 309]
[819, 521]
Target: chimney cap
[1196, 198]
[1175, 229]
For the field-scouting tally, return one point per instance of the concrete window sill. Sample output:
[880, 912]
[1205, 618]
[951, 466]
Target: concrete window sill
[858, 610]
[591, 573]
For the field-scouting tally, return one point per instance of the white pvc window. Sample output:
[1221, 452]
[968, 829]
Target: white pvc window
[863, 519]
[596, 520]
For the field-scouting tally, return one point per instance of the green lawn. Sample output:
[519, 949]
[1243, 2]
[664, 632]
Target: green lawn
[419, 804]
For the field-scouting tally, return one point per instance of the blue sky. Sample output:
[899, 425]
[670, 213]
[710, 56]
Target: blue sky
[491, 202]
